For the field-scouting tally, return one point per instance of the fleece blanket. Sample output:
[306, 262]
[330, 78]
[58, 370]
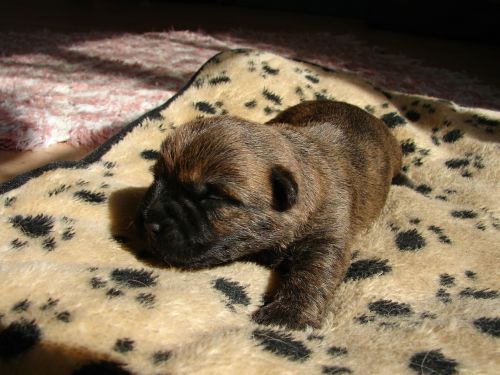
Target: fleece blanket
[420, 296]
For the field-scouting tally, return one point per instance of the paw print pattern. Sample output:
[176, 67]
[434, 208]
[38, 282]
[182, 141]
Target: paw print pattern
[122, 281]
[207, 108]
[445, 194]
[417, 110]
[367, 268]
[215, 79]
[488, 326]
[413, 239]
[251, 65]
[432, 362]
[391, 314]
[124, 345]
[488, 125]
[51, 307]
[33, 226]
[466, 165]
[272, 101]
[450, 136]
[393, 119]
[310, 86]
[282, 344]
[308, 92]
[308, 74]
[482, 219]
[109, 166]
[449, 285]
[460, 288]
[42, 229]
[60, 189]
[410, 240]
[234, 292]
[268, 70]
[161, 356]
[9, 201]
[412, 154]
[81, 190]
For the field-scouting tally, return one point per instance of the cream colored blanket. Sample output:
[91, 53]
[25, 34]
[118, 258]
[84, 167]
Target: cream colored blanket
[420, 297]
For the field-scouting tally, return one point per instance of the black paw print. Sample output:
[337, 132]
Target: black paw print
[413, 239]
[482, 218]
[267, 70]
[81, 190]
[51, 306]
[207, 108]
[449, 290]
[446, 134]
[272, 100]
[9, 201]
[120, 281]
[44, 229]
[467, 164]
[392, 314]
[234, 292]
[310, 76]
[220, 78]
[489, 125]
[412, 154]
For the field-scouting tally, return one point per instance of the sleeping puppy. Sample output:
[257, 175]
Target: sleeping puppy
[290, 194]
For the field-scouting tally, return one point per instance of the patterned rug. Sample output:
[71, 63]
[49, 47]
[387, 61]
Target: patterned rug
[84, 87]
[420, 297]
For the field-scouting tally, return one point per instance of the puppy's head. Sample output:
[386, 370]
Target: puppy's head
[223, 188]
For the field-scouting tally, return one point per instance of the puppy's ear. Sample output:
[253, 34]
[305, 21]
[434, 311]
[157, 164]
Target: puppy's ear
[285, 188]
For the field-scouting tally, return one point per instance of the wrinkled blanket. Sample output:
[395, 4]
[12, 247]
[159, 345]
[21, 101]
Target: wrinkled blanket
[420, 296]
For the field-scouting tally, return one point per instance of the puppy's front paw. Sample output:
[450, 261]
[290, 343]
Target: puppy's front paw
[292, 317]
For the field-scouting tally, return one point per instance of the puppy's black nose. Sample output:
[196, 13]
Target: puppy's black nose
[153, 228]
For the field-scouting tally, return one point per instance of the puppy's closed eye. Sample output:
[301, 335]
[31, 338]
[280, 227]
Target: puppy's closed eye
[216, 194]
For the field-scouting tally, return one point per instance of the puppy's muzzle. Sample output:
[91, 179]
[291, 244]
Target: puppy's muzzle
[175, 228]
[163, 229]
[152, 228]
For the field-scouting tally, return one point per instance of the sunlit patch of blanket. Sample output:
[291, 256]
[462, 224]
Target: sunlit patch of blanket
[420, 296]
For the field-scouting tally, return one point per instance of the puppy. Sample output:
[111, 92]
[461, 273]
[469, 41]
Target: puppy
[290, 194]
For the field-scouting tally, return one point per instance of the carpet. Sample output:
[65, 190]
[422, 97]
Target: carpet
[81, 88]
[420, 297]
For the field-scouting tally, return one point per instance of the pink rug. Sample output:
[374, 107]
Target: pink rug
[82, 88]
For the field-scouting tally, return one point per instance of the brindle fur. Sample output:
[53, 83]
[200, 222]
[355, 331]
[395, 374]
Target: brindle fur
[290, 194]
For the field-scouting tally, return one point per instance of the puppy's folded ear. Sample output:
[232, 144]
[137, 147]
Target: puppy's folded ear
[285, 188]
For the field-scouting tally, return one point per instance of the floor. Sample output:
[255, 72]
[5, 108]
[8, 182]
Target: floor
[13, 163]
[474, 59]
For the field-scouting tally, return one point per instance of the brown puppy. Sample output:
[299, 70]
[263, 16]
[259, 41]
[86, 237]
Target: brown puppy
[290, 194]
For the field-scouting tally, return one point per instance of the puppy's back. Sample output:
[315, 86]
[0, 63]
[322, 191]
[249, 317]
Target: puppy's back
[362, 153]
[357, 125]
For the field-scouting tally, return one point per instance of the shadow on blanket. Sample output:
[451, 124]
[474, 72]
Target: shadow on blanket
[123, 208]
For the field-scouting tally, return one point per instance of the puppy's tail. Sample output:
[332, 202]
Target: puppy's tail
[402, 179]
